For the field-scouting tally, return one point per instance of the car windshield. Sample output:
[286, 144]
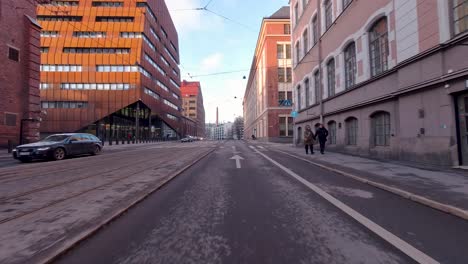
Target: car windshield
[55, 138]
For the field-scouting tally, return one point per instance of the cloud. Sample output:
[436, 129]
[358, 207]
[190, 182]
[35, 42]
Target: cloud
[211, 63]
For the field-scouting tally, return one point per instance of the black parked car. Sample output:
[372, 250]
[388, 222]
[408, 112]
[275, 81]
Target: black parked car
[59, 146]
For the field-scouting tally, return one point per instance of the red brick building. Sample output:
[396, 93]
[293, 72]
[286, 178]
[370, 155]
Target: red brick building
[268, 96]
[19, 72]
[192, 104]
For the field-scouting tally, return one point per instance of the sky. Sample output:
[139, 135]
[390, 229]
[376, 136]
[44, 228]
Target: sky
[210, 44]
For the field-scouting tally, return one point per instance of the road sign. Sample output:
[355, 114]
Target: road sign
[294, 114]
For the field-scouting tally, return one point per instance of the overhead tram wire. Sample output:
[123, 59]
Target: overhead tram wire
[236, 71]
[205, 8]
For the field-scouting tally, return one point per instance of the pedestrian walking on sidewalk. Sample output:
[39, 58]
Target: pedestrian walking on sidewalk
[309, 140]
[322, 134]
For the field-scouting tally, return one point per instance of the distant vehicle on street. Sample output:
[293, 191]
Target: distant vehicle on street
[186, 139]
[59, 146]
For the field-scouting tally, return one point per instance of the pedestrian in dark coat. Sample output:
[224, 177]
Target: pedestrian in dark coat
[322, 134]
[309, 140]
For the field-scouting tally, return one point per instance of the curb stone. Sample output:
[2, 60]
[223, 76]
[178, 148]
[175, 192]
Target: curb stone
[405, 194]
[68, 245]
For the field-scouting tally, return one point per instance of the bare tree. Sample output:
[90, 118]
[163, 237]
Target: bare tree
[238, 127]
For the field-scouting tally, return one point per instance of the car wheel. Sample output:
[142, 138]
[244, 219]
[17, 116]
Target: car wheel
[59, 154]
[96, 150]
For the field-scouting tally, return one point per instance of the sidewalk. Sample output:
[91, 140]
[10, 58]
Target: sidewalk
[449, 188]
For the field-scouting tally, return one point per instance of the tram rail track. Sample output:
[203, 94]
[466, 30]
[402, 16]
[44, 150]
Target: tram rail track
[135, 169]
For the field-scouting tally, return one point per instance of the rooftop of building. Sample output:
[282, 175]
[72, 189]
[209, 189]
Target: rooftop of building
[282, 13]
[190, 88]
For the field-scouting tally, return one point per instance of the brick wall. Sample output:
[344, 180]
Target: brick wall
[19, 80]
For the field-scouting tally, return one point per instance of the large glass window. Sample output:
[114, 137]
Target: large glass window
[381, 128]
[350, 65]
[286, 126]
[296, 13]
[332, 133]
[299, 106]
[317, 86]
[307, 91]
[351, 131]
[328, 14]
[282, 126]
[298, 52]
[331, 77]
[378, 37]
[315, 30]
[305, 39]
[460, 16]
[283, 51]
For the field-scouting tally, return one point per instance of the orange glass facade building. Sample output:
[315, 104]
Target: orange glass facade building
[110, 68]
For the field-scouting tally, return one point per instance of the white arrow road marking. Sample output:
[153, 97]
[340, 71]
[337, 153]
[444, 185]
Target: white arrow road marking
[238, 161]
[397, 242]
[252, 147]
[262, 147]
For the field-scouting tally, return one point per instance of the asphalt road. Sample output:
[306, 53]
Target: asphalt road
[274, 209]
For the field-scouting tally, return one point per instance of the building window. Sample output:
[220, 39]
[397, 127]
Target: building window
[315, 30]
[305, 37]
[328, 14]
[296, 13]
[60, 68]
[286, 126]
[63, 104]
[63, 3]
[287, 29]
[307, 91]
[94, 86]
[331, 77]
[13, 54]
[350, 65]
[97, 50]
[10, 119]
[152, 94]
[304, 5]
[378, 38]
[50, 34]
[381, 128]
[283, 51]
[351, 131]
[284, 74]
[60, 18]
[299, 106]
[317, 86]
[89, 34]
[332, 132]
[298, 53]
[44, 49]
[114, 19]
[346, 3]
[131, 35]
[107, 4]
[460, 16]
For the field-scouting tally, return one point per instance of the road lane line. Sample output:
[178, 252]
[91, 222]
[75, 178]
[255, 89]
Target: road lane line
[262, 147]
[458, 212]
[252, 147]
[397, 242]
